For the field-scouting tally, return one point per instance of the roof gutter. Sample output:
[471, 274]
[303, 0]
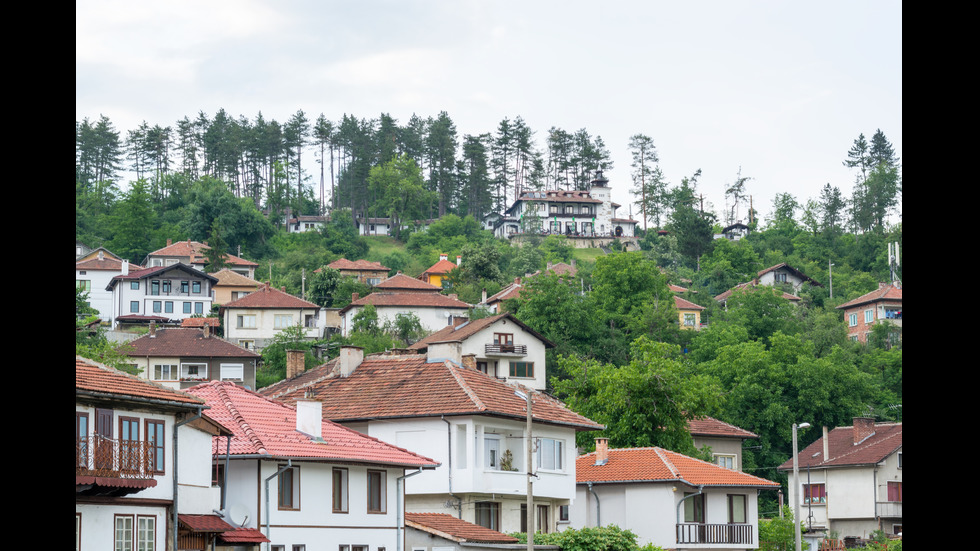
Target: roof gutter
[681, 502]
[400, 516]
[289, 465]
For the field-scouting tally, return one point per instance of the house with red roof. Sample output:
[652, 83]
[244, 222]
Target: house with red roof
[400, 295]
[436, 274]
[94, 272]
[851, 480]
[502, 346]
[192, 253]
[883, 305]
[181, 357]
[303, 481]
[444, 531]
[132, 489]
[724, 439]
[160, 294]
[254, 320]
[667, 499]
[439, 405]
[780, 274]
[365, 271]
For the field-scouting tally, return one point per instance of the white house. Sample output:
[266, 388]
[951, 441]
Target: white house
[668, 499]
[440, 406]
[433, 309]
[140, 449]
[851, 480]
[503, 347]
[304, 482]
[192, 253]
[93, 273]
[255, 319]
[577, 213]
[164, 294]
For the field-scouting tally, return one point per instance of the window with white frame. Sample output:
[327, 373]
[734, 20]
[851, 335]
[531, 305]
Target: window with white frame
[869, 315]
[726, 461]
[232, 372]
[551, 454]
[164, 372]
[193, 371]
[491, 447]
[852, 320]
[282, 321]
[245, 321]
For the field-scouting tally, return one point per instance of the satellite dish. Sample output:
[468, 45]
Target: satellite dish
[238, 515]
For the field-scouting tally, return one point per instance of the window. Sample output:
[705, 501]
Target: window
[247, 344]
[492, 449]
[146, 530]
[543, 519]
[123, 533]
[164, 372]
[157, 306]
[81, 439]
[299, 547]
[134, 306]
[78, 531]
[869, 315]
[194, 371]
[587, 228]
[157, 442]
[555, 227]
[852, 320]
[232, 372]
[727, 461]
[282, 321]
[503, 338]
[196, 287]
[899, 460]
[550, 454]
[166, 286]
[482, 367]
[894, 491]
[814, 494]
[689, 319]
[289, 488]
[340, 488]
[143, 535]
[168, 307]
[694, 508]
[488, 514]
[569, 227]
[154, 287]
[372, 281]
[187, 308]
[522, 369]
[134, 285]
[184, 287]
[129, 445]
[563, 513]
[198, 307]
[377, 491]
[83, 284]
[736, 509]
[779, 277]
[246, 321]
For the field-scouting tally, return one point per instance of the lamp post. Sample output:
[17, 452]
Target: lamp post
[529, 512]
[796, 487]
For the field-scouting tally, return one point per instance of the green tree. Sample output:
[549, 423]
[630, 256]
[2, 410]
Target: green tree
[399, 191]
[216, 252]
[134, 223]
[646, 186]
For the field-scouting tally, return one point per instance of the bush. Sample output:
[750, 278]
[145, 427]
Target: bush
[605, 538]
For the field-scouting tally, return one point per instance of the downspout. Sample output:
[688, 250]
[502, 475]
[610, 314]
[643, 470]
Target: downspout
[681, 502]
[449, 453]
[598, 521]
[174, 512]
[289, 464]
[399, 518]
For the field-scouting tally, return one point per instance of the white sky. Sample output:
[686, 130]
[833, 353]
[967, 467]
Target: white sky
[779, 89]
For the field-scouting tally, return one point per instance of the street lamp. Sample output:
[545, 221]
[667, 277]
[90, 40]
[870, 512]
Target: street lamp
[529, 514]
[796, 487]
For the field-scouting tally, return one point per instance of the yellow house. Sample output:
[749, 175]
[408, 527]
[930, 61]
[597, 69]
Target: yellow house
[689, 314]
[438, 272]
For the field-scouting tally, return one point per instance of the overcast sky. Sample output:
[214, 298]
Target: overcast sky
[778, 89]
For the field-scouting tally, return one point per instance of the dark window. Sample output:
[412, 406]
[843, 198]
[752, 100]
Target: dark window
[377, 491]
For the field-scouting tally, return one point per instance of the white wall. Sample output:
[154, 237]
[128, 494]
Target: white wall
[475, 345]
[432, 319]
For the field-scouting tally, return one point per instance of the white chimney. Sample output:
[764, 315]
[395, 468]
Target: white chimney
[448, 350]
[125, 267]
[826, 444]
[443, 256]
[459, 260]
[309, 417]
[350, 358]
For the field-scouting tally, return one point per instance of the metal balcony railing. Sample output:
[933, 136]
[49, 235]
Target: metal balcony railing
[99, 456]
[740, 534]
[516, 349]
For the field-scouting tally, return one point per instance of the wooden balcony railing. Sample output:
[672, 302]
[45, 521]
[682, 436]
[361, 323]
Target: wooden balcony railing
[98, 456]
[740, 534]
[517, 349]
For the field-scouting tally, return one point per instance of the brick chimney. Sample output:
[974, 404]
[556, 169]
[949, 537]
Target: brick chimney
[469, 361]
[863, 428]
[153, 329]
[601, 451]
[295, 363]
[309, 416]
[170, 242]
[354, 297]
[206, 330]
[350, 358]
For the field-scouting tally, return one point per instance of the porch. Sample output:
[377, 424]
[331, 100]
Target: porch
[697, 533]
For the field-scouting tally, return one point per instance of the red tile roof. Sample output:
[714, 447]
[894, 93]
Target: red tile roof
[200, 322]
[468, 329]
[682, 304]
[449, 527]
[425, 300]
[185, 342]
[95, 379]
[263, 426]
[148, 272]
[709, 426]
[727, 294]
[401, 282]
[884, 292]
[358, 265]
[441, 267]
[511, 291]
[660, 465]
[242, 536]
[843, 452]
[389, 386]
[269, 297]
[230, 278]
[105, 264]
[204, 523]
[194, 251]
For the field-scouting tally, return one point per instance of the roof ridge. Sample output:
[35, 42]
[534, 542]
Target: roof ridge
[860, 446]
[667, 463]
[237, 416]
[466, 388]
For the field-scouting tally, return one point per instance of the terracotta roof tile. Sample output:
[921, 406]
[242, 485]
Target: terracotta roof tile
[709, 426]
[363, 265]
[430, 300]
[889, 292]
[263, 426]
[456, 529]
[194, 251]
[441, 267]
[105, 264]
[231, 278]
[843, 452]
[388, 386]
[682, 304]
[242, 536]
[468, 329]
[93, 378]
[660, 465]
[269, 297]
[204, 523]
[755, 282]
[401, 282]
[185, 342]
[200, 322]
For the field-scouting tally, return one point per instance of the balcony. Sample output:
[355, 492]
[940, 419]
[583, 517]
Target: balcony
[890, 509]
[505, 349]
[113, 467]
[695, 533]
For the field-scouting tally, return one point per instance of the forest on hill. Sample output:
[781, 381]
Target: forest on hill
[620, 356]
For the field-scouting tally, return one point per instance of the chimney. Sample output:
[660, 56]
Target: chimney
[153, 329]
[101, 254]
[350, 358]
[309, 416]
[469, 361]
[295, 363]
[354, 297]
[459, 260]
[454, 296]
[826, 444]
[483, 299]
[169, 242]
[601, 451]
[863, 428]
[443, 256]
[206, 330]
[442, 351]
[125, 267]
